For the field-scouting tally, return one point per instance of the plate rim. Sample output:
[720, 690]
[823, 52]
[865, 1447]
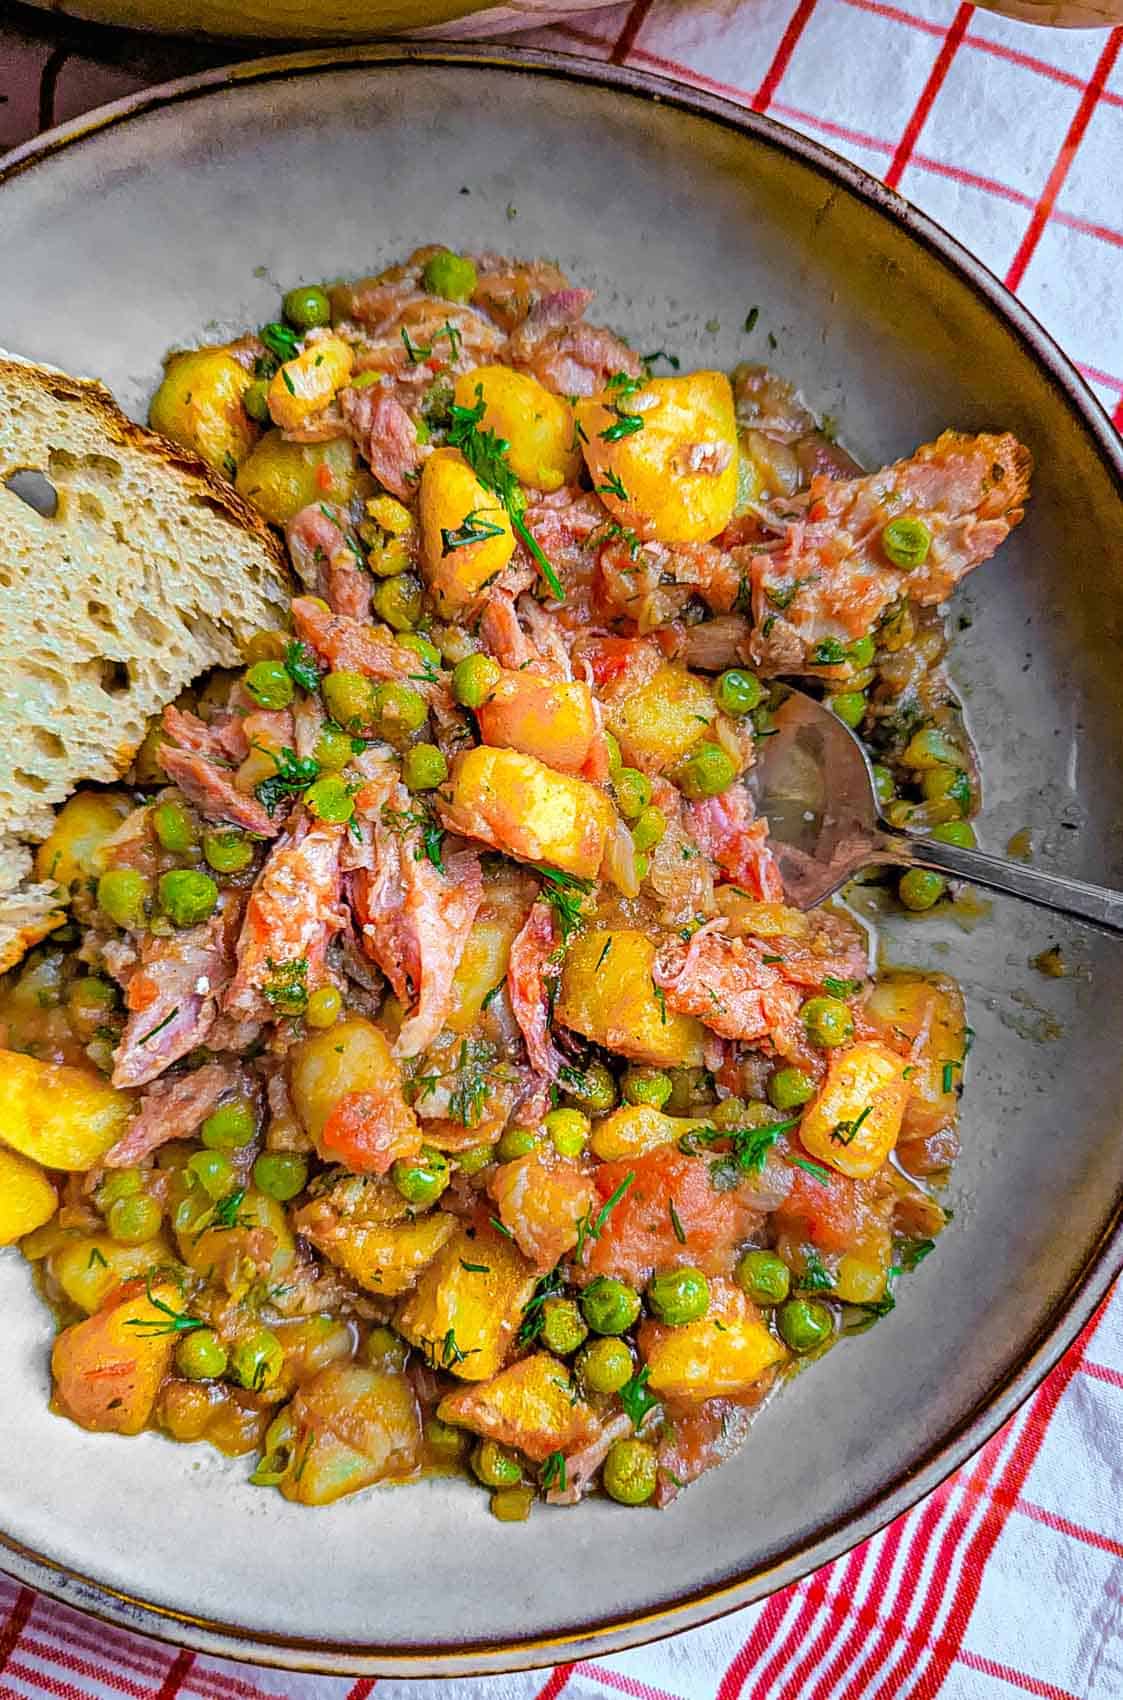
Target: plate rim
[1071, 1310]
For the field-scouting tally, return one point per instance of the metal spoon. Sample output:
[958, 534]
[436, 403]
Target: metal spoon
[813, 781]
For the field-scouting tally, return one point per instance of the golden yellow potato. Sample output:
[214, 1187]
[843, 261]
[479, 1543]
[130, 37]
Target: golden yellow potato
[81, 827]
[929, 1007]
[548, 718]
[533, 1406]
[89, 1267]
[540, 428]
[199, 404]
[348, 1427]
[223, 1250]
[454, 505]
[704, 1361]
[353, 1056]
[635, 1129]
[853, 1121]
[518, 805]
[62, 1117]
[468, 1303]
[305, 384]
[658, 723]
[864, 1270]
[386, 1259]
[27, 1198]
[745, 915]
[280, 477]
[108, 1369]
[480, 968]
[607, 994]
[679, 471]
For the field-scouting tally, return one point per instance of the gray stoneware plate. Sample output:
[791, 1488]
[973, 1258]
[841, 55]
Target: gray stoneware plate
[176, 215]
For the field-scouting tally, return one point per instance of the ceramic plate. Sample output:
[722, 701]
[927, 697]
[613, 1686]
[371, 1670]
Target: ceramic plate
[178, 215]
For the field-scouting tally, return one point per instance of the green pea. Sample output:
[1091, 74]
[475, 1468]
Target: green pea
[442, 1440]
[516, 1142]
[883, 783]
[121, 1183]
[349, 698]
[269, 684]
[678, 1296]
[255, 400]
[280, 1174]
[213, 1171]
[563, 1327]
[920, 888]
[861, 653]
[959, 832]
[738, 691]
[451, 276]
[605, 1365]
[307, 306]
[423, 1178]
[608, 1306]
[764, 721]
[398, 709]
[594, 1086]
[384, 1349]
[174, 828]
[568, 1130]
[850, 707]
[423, 767]
[789, 1088]
[227, 851]
[324, 1007]
[647, 1086]
[333, 747]
[707, 772]
[476, 1157]
[765, 1277]
[642, 865]
[200, 1355]
[906, 542]
[330, 798]
[649, 829]
[496, 1467]
[397, 600]
[735, 1112]
[428, 652]
[187, 896]
[631, 1472]
[229, 1127]
[123, 895]
[474, 679]
[804, 1324]
[134, 1220]
[257, 1362]
[930, 748]
[944, 784]
[633, 792]
[615, 759]
[828, 1021]
[513, 1504]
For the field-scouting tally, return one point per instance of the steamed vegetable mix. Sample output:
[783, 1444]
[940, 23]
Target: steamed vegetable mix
[427, 1073]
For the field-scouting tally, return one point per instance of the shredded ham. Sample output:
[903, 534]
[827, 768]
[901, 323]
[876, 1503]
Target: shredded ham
[535, 953]
[173, 1109]
[292, 914]
[172, 995]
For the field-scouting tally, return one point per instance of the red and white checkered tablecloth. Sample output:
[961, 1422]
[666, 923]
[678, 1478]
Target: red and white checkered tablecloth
[1009, 1578]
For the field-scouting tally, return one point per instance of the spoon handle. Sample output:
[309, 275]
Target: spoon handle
[1049, 891]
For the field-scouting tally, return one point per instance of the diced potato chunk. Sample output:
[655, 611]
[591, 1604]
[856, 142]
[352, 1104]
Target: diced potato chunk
[27, 1198]
[347, 1090]
[454, 506]
[61, 1117]
[468, 1303]
[533, 1406]
[703, 1361]
[385, 1260]
[280, 477]
[864, 1270]
[679, 471]
[518, 805]
[305, 384]
[635, 1129]
[89, 1267]
[199, 404]
[481, 968]
[81, 827]
[539, 427]
[745, 915]
[540, 1200]
[658, 723]
[929, 1007]
[108, 1369]
[853, 1121]
[607, 994]
[352, 1426]
[236, 1253]
[548, 718]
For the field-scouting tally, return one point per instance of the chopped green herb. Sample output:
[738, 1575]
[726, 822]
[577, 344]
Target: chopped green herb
[294, 773]
[839, 988]
[96, 1259]
[828, 652]
[612, 486]
[548, 1286]
[842, 1133]
[635, 1398]
[159, 1027]
[676, 1222]
[816, 1278]
[475, 1268]
[604, 952]
[169, 1321]
[300, 665]
[499, 1228]
[564, 893]
[751, 318]
[474, 529]
[553, 1473]
[287, 987]
[486, 454]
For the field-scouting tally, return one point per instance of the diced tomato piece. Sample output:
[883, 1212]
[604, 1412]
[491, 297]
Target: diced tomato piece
[639, 1234]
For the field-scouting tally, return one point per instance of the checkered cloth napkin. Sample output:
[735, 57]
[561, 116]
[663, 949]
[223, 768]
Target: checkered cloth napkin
[1009, 1578]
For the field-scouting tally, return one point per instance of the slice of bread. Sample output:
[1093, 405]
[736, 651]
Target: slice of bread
[127, 568]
